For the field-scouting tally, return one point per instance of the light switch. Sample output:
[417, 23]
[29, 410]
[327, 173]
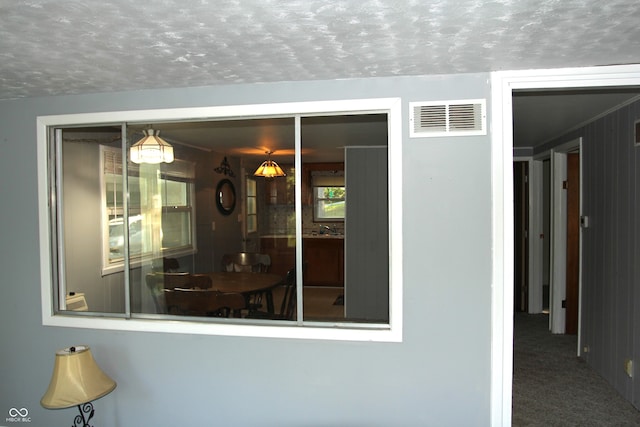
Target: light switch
[584, 221]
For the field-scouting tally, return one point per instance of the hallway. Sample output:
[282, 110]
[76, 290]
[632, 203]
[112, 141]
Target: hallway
[552, 387]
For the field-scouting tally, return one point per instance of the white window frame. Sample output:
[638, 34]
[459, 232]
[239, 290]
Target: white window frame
[332, 331]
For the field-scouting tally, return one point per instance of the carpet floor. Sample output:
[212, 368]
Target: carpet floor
[553, 387]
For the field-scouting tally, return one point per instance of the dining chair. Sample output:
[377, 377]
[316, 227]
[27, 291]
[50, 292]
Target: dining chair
[288, 304]
[203, 302]
[157, 282]
[200, 281]
[248, 262]
[170, 265]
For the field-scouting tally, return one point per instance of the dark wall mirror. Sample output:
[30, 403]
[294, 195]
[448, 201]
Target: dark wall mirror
[225, 197]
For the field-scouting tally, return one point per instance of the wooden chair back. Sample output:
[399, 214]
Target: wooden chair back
[246, 261]
[196, 302]
[288, 306]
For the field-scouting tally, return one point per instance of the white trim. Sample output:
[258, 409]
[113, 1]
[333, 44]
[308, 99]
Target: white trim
[384, 333]
[503, 83]
[502, 256]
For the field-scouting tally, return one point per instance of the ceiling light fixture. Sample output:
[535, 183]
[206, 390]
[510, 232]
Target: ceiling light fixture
[269, 168]
[77, 380]
[151, 149]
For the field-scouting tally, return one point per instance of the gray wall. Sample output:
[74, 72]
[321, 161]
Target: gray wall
[611, 197]
[439, 375]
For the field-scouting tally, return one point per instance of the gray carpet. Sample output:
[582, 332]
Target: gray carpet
[553, 387]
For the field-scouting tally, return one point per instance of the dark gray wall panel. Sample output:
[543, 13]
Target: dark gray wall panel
[367, 235]
[609, 246]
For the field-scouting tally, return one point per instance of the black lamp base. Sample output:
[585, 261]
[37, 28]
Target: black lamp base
[80, 420]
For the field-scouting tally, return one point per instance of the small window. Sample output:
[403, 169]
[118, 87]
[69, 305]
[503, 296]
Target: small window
[252, 209]
[329, 196]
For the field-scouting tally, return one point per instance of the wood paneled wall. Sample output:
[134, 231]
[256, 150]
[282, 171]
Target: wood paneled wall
[367, 234]
[610, 266]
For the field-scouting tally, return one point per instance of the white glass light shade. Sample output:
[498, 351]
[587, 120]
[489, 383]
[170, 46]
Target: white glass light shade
[151, 149]
[76, 379]
[269, 169]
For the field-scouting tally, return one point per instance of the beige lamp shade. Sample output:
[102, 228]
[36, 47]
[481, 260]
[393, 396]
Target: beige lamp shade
[76, 379]
[151, 149]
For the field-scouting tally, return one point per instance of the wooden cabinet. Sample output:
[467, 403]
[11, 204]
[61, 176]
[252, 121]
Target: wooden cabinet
[324, 258]
[282, 251]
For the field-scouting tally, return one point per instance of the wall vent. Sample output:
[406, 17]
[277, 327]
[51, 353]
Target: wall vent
[448, 118]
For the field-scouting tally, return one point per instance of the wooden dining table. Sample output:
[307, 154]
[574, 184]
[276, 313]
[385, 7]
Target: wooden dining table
[246, 283]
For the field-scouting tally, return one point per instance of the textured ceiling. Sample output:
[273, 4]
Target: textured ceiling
[54, 47]
[50, 47]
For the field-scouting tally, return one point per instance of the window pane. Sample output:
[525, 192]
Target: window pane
[164, 200]
[176, 230]
[345, 228]
[329, 203]
[91, 210]
[174, 193]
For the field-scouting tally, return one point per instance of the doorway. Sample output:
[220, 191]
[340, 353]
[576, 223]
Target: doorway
[503, 86]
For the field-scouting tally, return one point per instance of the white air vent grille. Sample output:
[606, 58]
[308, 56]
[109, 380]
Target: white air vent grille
[448, 118]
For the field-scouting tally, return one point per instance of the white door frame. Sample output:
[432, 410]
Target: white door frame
[503, 83]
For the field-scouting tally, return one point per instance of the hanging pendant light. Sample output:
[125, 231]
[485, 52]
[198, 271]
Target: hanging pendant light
[151, 149]
[269, 168]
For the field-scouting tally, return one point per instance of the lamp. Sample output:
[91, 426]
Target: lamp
[76, 380]
[151, 149]
[269, 168]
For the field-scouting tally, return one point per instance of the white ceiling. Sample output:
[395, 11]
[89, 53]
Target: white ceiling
[54, 47]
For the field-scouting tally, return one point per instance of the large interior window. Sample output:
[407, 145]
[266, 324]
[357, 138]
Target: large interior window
[187, 240]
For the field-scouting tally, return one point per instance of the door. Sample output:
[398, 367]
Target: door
[521, 234]
[573, 242]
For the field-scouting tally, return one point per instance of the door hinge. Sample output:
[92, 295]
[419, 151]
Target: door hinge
[565, 185]
[564, 303]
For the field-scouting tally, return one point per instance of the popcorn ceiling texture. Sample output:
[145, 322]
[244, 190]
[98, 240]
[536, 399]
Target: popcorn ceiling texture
[50, 47]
